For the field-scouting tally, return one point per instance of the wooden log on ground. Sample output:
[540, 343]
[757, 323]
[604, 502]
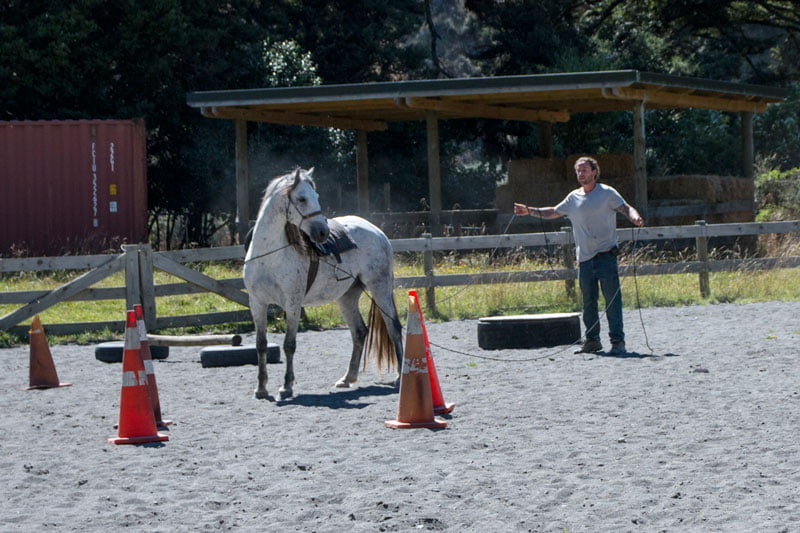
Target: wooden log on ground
[194, 340]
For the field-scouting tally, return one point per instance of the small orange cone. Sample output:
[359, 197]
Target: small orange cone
[136, 422]
[147, 360]
[43, 373]
[415, 407]
[439, 406]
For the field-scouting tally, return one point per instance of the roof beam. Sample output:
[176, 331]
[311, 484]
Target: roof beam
[470, 110]
[293, 119]
[679, 100]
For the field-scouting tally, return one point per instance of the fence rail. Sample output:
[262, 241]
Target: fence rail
[139, 262]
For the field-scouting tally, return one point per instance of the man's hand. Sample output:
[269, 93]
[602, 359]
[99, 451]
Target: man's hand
[521, 209]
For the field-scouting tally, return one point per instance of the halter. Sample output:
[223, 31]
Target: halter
[303, 217]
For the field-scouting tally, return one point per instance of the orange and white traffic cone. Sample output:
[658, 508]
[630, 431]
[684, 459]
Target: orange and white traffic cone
[147, 360]
[136, 422]
[415, 406]
[439, 405]
[42, 373]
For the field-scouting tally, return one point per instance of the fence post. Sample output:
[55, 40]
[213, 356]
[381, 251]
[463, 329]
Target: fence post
[567, 253]
[147, 286]
[702, 256]
[427, 269]
[133, 290]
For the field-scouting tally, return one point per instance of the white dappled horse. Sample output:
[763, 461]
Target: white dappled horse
[276, 271]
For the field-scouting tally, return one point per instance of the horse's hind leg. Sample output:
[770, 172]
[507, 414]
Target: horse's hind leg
[348, 305]
[260, 321]
[383, 297]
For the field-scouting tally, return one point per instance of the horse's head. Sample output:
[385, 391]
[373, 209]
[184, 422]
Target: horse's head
[303, 209]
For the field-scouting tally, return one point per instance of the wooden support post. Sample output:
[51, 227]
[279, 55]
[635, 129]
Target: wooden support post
[546, 139]
[133, 288]
[568, 254]
[639, 160]
[242, 179]
[427, 269]
[147, 286]
[748, 154]
[702, 256]
[362, 172]
[434, 172]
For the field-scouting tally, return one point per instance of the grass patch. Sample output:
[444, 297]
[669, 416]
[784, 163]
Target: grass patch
[461, 302]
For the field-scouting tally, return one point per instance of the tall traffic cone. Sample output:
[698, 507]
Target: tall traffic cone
[415, 407]
[136, 422]
[42, 372]
[147, 360]
[439, 406]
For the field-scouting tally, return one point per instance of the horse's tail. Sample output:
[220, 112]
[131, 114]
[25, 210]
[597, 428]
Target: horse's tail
[378, 343]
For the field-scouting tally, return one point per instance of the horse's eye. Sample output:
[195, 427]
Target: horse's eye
[302, 199]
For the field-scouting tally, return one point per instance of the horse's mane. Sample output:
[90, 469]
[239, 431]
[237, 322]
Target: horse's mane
[274, 186]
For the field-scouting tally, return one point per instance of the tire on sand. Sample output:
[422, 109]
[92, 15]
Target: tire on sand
[111, 352]
[529, 331]
[212, 356]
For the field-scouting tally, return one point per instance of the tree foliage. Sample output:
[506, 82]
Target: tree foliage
[129, 58]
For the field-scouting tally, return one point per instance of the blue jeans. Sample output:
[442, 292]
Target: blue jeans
[601, 269]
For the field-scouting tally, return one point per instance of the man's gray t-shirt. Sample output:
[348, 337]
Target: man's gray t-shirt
[594, 219]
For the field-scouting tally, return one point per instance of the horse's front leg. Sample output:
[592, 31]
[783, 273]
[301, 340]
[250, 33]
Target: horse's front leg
[261, 348]
[289, 346]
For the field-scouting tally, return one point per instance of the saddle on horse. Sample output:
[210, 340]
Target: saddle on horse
[338, 242]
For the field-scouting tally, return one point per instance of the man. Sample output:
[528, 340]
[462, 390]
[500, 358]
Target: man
[592, 208]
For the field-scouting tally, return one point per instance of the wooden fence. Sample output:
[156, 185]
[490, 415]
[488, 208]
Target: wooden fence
[139, 262]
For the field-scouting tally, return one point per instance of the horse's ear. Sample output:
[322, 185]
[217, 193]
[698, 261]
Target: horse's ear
[296, 181]
[311, 172]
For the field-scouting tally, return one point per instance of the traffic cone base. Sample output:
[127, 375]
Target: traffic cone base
[396, 424]
[158, 437]
[443, 409]
[43, 373]
[415, 406]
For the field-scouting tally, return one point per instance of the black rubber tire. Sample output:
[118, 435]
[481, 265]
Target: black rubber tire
[213, 356]
[529, 331]
[111, 352]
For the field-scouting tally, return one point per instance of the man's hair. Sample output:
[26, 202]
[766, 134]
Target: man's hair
[592, 162]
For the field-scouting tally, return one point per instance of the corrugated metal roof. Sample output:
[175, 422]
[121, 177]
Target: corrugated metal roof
[547, 97]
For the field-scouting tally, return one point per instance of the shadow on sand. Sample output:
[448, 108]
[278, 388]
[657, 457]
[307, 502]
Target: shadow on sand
[636, 355]
[340, 398]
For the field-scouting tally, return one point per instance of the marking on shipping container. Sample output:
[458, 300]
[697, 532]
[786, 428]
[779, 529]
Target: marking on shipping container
[111, 155]
[112, 189]
[112, 207]
[95, 222]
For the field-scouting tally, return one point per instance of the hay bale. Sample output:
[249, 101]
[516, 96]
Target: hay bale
[737, 189]
[705, 188]
[611, 165]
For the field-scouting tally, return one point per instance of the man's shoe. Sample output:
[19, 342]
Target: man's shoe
[618, 348]
[591, 346]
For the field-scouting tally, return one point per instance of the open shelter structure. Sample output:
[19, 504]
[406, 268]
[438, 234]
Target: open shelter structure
[540, 98]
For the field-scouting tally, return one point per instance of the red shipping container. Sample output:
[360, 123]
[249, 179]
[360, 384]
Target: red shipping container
[71, 187]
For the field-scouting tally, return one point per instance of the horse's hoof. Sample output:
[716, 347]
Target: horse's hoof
[261, 395]
[344, 383]
[285, 394]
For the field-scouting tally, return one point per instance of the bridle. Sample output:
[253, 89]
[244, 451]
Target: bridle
[303, 217]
